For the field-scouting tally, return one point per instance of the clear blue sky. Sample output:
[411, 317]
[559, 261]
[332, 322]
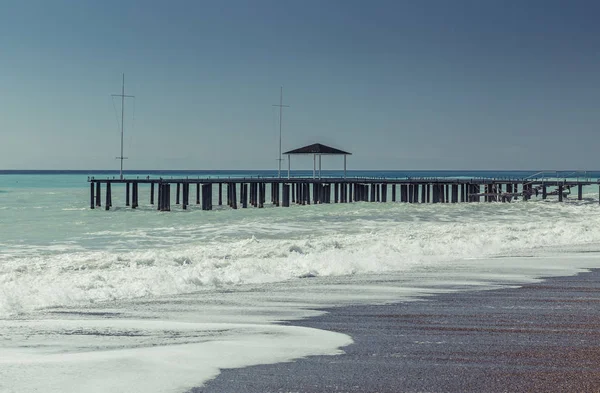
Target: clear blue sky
[482, 84]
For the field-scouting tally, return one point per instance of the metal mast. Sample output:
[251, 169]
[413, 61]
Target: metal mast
[122, 95]
[281, 106]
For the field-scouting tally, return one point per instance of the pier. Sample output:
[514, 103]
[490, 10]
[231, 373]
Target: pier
[245, 192]
[258, 192]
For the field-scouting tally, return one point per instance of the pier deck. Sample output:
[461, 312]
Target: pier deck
[251, 191]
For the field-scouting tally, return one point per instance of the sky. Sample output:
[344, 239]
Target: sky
[427, 84]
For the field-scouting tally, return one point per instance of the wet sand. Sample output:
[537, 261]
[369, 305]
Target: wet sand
[542, 337]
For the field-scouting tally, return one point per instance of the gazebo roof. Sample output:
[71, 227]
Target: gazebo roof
[318, 148]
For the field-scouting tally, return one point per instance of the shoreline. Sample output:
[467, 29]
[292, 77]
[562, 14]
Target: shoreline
[537, 337]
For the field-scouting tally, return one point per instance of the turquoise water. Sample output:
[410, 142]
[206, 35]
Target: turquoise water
[46, 224]
[85, 292]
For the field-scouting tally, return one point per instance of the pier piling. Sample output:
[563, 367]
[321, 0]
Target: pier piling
[134, 202]
[98, 195]
[560, 193]
[108, 201]
[92, 195]
[319, 191]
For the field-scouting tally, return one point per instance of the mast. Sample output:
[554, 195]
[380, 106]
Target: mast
[122, 95]
[279, 159]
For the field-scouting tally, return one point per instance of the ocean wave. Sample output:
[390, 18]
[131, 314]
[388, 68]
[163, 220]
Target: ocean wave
[377, 239]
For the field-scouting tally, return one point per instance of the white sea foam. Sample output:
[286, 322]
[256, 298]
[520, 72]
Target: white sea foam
[145, 301]
[147, 356]
[321, 241]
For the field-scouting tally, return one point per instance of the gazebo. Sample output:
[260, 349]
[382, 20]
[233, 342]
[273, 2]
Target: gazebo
[317, 149]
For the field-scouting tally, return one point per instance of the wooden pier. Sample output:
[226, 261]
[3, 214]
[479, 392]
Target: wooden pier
[252, 191]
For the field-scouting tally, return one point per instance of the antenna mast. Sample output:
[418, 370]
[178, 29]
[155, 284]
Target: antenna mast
[281, 106]
[122, 95]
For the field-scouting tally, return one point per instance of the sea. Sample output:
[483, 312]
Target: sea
[146, 301]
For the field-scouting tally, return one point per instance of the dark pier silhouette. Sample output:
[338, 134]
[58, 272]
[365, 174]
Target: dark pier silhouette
[247, 192]
[284, 192]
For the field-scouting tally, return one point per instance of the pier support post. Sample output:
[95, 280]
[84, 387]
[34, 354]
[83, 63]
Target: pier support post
[560, 193]
[393, 193]
[228, 191]
[428, 192]
[108, 201]
[579, 192]
[92, 195]
[168, 197]
[272, 193]
[423, 193]
[152, 193]
[244, 192]
[185, 196]
[384, 188]
[160, 197]
[220, 194]
[134, 202]
[322, 193]
[178, 192]
[454, 193]
[233, 195]
[209, 197]
[127, 194]
[98, 195]
[261, 191]
[286, 195]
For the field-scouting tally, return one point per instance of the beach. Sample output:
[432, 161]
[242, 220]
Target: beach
[541, 337]
[348, 296]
